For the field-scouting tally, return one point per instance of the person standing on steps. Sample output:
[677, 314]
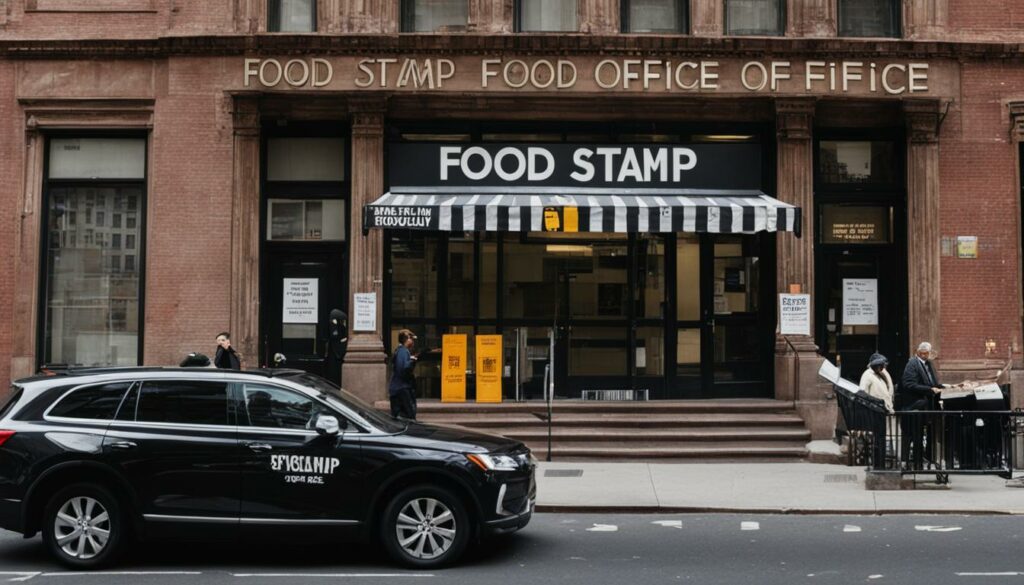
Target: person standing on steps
[402, 388]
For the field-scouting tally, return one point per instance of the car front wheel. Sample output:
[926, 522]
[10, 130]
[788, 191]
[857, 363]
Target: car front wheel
[83, 526]
[425, 527]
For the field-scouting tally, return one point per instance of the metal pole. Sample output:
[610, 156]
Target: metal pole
[547, 373]
[519, 349]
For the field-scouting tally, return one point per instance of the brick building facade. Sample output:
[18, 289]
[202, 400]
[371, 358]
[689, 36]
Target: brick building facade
[930, 104]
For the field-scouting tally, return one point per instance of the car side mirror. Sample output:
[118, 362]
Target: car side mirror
[327, 425]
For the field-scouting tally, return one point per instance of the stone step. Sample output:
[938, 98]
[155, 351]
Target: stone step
[579, 406]
[615, 420]
[590, 435]
[659, 451]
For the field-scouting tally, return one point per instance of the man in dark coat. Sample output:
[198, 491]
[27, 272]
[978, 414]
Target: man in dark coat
[919, 385]
[919, 390]
[402, 388]
[226, 358]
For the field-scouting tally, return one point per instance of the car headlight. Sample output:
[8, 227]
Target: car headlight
[491, 462]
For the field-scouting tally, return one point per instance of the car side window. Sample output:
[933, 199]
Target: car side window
[98, 402]
[272, 407]
[183, 402]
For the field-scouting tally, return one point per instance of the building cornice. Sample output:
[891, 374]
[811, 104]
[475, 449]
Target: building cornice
[567, 44]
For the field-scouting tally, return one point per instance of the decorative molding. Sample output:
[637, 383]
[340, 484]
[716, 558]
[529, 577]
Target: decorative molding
[599, 16]
[491, 16]
[88, 113]
[1017, 120]
[250, 16]
[923, 117]
[794, 118]
[925, 19]
[245, 116]
[811, 18]
[707, 18]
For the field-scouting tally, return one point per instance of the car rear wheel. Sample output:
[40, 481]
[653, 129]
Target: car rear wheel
[83, 526]
[425, 527]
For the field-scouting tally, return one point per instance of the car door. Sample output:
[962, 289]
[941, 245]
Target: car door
[175, 441]
[292, 474]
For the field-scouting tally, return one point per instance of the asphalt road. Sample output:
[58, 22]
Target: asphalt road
[589, 548]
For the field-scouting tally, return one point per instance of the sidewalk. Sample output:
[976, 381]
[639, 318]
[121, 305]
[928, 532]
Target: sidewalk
[796, 488]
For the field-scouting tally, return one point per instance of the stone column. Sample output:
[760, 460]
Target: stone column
[811, 18]
[26, 256]
[796, 356]
[491, 16]
[1017, 373]
[925, 19]
[364, 371]
[923, 241]
[250, 16]
[599, 16]
[707, 18]
[245, 230]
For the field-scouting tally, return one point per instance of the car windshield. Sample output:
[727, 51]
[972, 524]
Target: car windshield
[363, 409]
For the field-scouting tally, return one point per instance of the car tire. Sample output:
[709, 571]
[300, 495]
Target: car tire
[425, 527]
[83, 526]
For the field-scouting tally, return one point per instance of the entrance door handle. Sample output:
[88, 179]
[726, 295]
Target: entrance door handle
[259, 447]
[123, 445]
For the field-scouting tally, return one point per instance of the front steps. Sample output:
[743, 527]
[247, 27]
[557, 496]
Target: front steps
[712, 430]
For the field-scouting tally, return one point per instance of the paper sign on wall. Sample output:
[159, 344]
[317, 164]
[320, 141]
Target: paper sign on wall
[453, 367]
[365, 318]
[794, 314]
[488, 368]
[301, 300]
[860, 301]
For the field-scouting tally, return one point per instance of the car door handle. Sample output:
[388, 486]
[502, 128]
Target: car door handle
[259, 447]
[123, 445]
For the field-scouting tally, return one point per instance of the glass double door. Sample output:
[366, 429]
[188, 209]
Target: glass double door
[672, 317]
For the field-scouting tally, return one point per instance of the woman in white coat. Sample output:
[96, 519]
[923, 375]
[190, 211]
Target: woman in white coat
[876, 380]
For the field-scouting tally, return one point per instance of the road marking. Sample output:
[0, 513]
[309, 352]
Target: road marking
[121, 573]
[669, 523]
[851, 528]
[603, 528]
[18, 575]
[1002, 574]
[328, 575]
[875, 576]
[937, 528]
[750, 526]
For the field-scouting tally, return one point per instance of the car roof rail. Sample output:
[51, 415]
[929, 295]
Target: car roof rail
[49, 370]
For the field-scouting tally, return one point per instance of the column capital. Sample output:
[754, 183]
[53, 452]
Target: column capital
[794, 118]
[922, 118]
[367, 115]
[245, 115]
[1017, 120]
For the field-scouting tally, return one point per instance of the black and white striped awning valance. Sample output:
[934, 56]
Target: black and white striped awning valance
[591, 210]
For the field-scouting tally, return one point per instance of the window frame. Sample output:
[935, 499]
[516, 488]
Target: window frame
[682, 24]
[783, 15]
[517, 20]
[894, 11]
[274, 18]
[230, 417]
[141, 217]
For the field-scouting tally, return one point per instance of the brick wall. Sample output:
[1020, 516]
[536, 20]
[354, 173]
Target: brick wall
[11, 147]
[978, 190]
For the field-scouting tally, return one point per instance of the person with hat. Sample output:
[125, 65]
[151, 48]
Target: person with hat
[402, 388]
[877, 382]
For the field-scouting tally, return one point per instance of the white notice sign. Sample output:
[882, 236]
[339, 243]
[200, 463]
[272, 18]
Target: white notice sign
[860, 301]
[366, 312]
[794, 314]
[301, 300]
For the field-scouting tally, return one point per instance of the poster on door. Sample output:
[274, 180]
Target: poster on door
[488, 368]
[453, 367]
[860, 301]
[301, 300]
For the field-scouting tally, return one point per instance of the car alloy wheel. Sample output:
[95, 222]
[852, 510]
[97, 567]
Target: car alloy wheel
[425, 528]
[82, 527]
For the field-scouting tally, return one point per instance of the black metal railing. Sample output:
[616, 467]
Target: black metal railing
[939, 442]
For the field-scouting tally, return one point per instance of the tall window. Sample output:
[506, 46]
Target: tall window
[755, 17]
[91, 301]
[655, 16]
[869, 18]
[548, 16]
[434, 15]
[291, 16]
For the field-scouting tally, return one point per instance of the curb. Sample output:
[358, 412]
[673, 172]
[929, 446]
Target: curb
[556, 509]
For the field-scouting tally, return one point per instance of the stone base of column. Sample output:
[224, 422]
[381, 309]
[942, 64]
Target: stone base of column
[796, 378]
[364, 371]
[1016, 389]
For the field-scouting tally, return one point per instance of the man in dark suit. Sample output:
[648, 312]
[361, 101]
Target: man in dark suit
[919, 390]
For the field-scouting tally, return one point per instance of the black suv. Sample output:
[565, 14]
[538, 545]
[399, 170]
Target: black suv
[94, 458]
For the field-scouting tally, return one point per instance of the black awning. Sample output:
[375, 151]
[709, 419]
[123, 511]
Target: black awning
[527, 209]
